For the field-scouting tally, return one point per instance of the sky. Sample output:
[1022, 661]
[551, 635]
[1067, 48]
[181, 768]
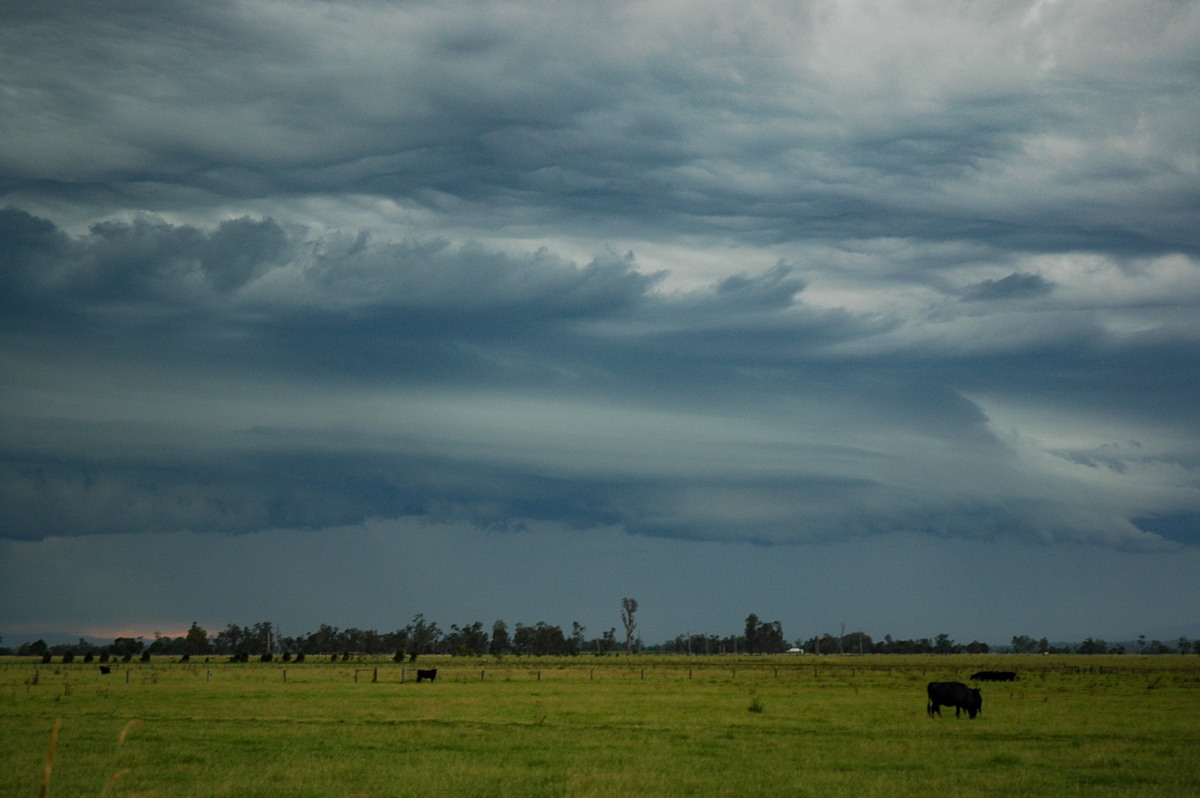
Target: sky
[883, 315]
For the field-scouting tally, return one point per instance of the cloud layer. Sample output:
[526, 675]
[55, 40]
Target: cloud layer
[774, 274]
[242, 377]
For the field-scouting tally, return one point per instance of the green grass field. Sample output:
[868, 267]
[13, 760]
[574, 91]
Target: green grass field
[646, 726]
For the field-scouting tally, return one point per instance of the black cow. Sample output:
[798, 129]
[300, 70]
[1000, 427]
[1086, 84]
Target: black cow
[994, 676]
[954, 694]
[430, 674]
[105, 669]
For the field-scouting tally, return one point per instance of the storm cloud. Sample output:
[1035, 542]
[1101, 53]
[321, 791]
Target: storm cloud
[769, 276]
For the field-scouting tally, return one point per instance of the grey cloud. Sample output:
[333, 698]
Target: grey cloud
[348, 293]
[687, 126]
[124, 258]
[468, 280]
[308, 266]
[241, 250]
[756, 366]
[295, 488]
[1015, 286]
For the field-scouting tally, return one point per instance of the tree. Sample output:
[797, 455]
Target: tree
[322, 641]
[1023, 644]
[423, 635]
[468, 640]
[763, 637]
[628, 608]
[576, 641]
[770, 638]
[231, 639]
[751, 635]
[523, 639]
[501, 644]
[126, 647]
[263, 636]
[197, 640]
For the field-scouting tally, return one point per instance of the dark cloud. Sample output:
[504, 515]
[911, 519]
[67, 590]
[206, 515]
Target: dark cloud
[1014, 286]
[772, 274]
[1181, 527]
[597, 345]
[736, 128]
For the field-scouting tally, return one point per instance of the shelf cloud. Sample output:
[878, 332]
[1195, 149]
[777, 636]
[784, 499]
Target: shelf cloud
[786, 277]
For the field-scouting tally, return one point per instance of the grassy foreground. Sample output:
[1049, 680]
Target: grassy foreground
[650, 726]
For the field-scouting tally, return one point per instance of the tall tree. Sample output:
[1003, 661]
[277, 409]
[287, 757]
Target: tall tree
[262, 637]
[751, 633]
[628, 608]
[575, 643]
[424, 635]
[1023, 644]
[197, 640]
[770, 637]
[500, 641]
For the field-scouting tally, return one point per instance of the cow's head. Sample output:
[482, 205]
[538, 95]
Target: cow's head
[975, 705]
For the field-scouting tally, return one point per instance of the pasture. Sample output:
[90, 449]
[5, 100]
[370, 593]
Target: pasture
[602, 726]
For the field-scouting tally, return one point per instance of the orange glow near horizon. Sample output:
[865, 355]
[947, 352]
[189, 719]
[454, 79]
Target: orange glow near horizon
[104, 633]
[134, 634]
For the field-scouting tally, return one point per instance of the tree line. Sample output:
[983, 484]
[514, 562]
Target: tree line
[263, 640]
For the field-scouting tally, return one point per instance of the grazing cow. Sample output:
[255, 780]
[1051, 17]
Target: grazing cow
[423, 674]
[994, 676]
[954, 694]
[105, 669]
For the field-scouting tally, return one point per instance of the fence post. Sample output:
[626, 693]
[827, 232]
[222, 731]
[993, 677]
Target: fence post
[285, 677]
[403, 674]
